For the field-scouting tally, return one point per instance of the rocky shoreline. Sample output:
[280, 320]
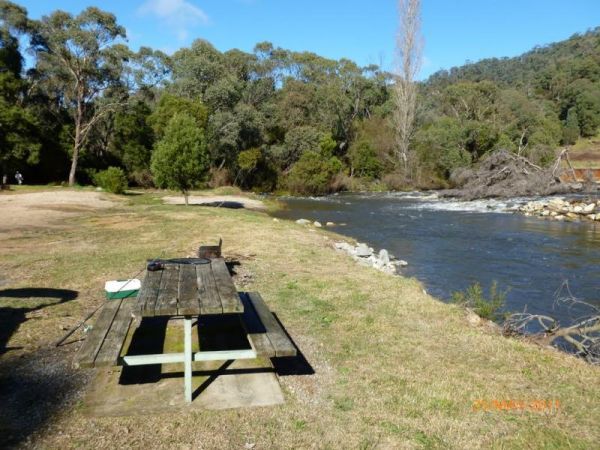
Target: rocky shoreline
[362, 253]
[365, 255]
[560, 209]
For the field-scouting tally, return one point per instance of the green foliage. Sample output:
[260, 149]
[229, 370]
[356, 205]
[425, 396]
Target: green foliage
[571, 129]
[132, 140]
[298, 141]
[313, 174]
[249, 159]
[473, 298]
[363, 160]
[169, 105]
[112, 180]
[180, 160]
[273, 116]
[441, 145]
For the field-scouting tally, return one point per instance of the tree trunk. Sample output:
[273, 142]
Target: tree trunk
[78, 133]
[74, 163]
[185, 196]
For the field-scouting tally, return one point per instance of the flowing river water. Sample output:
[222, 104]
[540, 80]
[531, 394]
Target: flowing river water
[451, 244]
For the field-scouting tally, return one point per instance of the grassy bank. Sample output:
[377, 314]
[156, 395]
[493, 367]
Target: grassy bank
[393, 366]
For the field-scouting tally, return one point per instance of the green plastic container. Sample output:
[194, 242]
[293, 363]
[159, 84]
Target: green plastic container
[116, 289]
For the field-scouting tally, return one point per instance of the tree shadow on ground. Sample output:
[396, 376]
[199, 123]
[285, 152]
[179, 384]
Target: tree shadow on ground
[225, 204]
[12, 317]
[34, 386]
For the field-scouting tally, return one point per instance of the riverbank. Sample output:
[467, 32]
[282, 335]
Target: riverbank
[393, 366]
[561, 209]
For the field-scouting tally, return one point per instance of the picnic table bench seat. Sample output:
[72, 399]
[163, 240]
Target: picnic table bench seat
[266, 336]
[103, 344]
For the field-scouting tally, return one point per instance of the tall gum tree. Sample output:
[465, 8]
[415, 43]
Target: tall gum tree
[409, 50]
[79, 59]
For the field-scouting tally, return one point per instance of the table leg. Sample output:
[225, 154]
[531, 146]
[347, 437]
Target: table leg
[187, 355]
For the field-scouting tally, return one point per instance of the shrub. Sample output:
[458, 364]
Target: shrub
[473, 298]
[313, 174]
[112, 180]
[364, 160]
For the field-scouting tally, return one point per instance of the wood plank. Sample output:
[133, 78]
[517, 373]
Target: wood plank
[113, 343]
[227, 291]
[256, 332]
[149, 292]
[280, 341]
[166, 302]
[210, 302]
[95, 338]
[188, 291]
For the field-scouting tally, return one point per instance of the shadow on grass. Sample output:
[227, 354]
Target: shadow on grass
[12, 317]
[224, 204]
[34, 386]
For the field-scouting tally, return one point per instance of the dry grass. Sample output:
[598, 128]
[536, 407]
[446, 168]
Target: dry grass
[395, 368]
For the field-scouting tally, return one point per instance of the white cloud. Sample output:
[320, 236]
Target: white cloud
[178, 15]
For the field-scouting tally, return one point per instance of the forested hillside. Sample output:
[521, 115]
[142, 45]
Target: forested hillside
[270, 119]
[530, 104]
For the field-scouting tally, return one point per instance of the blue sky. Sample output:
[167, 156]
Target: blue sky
[454, 30]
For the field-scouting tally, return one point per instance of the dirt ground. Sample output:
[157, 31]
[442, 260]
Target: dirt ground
[45, 209]
[223, 201]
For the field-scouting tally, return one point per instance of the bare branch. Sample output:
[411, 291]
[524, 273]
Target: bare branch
[583, 335]
[409, 47]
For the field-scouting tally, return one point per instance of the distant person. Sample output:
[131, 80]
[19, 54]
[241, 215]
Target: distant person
[4, 180]
[19, 177]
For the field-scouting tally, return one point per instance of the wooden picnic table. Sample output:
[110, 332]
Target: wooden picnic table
[185, 288]
[189, 287]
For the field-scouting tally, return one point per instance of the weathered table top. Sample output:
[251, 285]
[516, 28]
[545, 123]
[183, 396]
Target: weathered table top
[188, 290]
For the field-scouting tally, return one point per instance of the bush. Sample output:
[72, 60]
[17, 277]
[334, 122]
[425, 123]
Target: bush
[364, 160]
[473, 298]
[313, 174]
[112, 180]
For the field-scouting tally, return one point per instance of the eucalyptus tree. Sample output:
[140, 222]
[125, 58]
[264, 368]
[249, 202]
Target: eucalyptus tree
[19, 139]
[80, 60]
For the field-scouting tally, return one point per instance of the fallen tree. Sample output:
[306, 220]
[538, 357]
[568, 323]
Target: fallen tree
[582, 337]
[505, 174]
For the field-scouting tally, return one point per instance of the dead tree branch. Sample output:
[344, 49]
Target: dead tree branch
[583, 335]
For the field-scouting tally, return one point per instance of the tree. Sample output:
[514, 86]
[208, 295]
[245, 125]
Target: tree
[571, 130]
[409, 46]
[79, 60]
[132, 141]
[19, 139]
[180, 160]
[364, 160]
[169, 105]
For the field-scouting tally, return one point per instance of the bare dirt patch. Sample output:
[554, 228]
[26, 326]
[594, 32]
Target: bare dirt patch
[45, 209]
[220, 201]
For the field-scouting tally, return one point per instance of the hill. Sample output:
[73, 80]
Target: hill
[531, 105]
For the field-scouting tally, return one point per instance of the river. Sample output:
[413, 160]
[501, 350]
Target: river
[451, 244]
